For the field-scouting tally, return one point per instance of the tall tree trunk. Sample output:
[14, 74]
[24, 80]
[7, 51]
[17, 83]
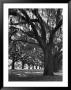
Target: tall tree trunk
[35, 66]
[32, 66]
[22, 64]
[13, 64]
[48, 63]
[28, 66]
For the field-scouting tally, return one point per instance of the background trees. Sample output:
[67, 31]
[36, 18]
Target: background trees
[33, 29]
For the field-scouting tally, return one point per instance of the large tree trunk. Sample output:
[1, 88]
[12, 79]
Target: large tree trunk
[48, 63]
[56, 64]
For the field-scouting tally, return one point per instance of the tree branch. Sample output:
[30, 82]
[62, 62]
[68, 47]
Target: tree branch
[29, 33]
[34, 20]
[23, 22]
[25, 41]
[58, 16]
[37, 37]
[57, 27]
[41, 22]
[54, 31]
[29, 21]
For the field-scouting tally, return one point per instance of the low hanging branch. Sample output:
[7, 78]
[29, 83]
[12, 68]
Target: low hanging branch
[25, 41]
[28, 20]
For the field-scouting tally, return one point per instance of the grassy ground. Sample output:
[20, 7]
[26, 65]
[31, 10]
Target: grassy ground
[31, 75]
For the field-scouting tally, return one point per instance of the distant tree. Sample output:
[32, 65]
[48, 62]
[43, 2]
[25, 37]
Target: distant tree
[39, 27]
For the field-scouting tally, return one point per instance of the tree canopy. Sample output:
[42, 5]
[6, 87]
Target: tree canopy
[36, 32]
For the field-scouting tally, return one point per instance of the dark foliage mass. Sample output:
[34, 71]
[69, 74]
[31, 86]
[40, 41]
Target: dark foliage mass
[35, 38]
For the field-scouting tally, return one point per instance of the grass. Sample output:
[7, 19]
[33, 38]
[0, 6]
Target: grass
[31, 75]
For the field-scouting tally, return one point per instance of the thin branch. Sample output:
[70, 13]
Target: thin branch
[34, 20]
[24, 13]
[25, 41]
[29, 33]
[23, 22]
[57, 27]
[58, 16]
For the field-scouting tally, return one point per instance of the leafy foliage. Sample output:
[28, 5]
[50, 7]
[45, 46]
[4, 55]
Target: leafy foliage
[33, 31]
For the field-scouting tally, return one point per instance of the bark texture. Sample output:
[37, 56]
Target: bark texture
[48, 62]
